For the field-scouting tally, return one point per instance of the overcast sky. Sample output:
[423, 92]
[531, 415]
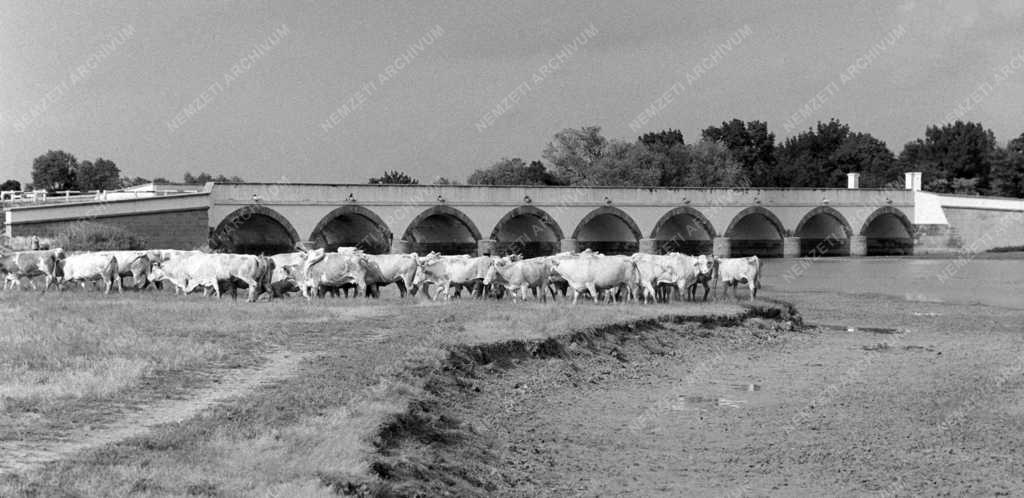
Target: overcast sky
[143, 63]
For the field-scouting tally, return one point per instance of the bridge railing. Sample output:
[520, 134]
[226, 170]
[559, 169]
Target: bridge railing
[18, 198]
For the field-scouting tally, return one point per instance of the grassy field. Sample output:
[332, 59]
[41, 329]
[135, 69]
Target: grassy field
[83, 360]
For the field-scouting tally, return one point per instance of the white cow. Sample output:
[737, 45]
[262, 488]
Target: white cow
[522, 275]
[281, 281]
[398, 269]
[193, 270]
[89, 266]
[334, 270]
[135, 264]
[653, 269]
[30, 264]
[449, 271]
[735, 271]
[594, 272]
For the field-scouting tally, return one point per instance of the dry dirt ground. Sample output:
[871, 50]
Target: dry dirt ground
[933, 406]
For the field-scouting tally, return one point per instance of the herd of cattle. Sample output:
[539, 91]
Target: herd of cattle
[640, 277]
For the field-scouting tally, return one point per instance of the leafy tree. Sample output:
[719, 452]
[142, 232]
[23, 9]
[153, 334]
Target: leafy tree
[132, 182]
[445, 181]
[753, 146]
[10, 185]
[202, 179]
[625, 164]
[821, 156]
[952, 151]
[161, 179]
[100, 175]
[394, 178]
[662, 140]
[867, 155]
[573, 152]
[1008, 169]
[806, 160]
[711, 164]
[54, 170]
[512, 172]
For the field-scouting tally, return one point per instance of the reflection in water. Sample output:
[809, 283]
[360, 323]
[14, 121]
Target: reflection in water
[986, 281]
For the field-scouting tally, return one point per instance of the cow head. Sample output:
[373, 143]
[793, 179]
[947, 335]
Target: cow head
[494, 269]
[703, 265]
[427, 268]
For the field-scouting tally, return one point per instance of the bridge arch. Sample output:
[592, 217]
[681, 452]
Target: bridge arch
[609, 230]
[756, 230]
[823, 231]
[254, 229]
[527, 230]
[684, 229]
[888, 231]
[352, 226]
[443, 229]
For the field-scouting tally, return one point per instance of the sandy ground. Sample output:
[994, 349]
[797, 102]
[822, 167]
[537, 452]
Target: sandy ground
[933, 410]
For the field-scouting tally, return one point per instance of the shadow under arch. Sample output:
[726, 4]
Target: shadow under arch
[527, 230]
[691, 242]
[889, 232]
[443, 229]
[364, 229]
[749, 238]
[254, 229]
[620, 234]
[816, 239]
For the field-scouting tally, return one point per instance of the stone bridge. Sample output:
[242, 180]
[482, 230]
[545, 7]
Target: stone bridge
[272, 217]
[545, 220]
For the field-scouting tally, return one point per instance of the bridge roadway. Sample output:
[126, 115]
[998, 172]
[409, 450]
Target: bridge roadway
[273, 217]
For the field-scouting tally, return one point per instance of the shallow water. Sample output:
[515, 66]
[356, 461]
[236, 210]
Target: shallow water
[995, 282]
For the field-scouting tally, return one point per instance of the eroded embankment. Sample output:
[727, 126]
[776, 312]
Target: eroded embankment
[449, 439]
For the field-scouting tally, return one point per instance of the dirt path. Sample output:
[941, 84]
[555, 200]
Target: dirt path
[24, 456]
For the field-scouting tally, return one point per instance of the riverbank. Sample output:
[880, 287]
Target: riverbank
[882, 397]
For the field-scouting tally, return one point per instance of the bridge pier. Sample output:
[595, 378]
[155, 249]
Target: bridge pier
[399, 246]
[486, 247]
[649, 246]
[721, 247]
[858, 245]
[791, 247]
[568, 245]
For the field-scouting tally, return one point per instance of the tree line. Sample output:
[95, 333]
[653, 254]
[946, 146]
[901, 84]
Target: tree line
[58, 171]
[960, 157]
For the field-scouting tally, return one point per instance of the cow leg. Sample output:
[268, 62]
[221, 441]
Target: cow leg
[401, 288]
[753, 289]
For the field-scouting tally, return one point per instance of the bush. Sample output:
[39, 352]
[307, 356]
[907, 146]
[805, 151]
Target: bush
[22, 243]
[92, 236]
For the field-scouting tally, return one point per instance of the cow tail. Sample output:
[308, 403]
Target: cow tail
[757, 278]
[714, 276]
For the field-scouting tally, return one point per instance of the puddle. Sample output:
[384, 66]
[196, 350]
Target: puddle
[870, 330]
[927, 313]
[687, 403]
[732, 403]
[691, 403]
[746, 387]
